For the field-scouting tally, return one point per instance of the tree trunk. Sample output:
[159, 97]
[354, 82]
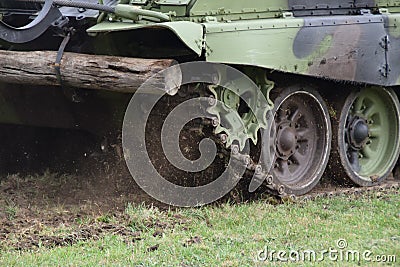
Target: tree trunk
[117, 74]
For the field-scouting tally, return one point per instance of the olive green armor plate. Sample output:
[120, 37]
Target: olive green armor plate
[360, 43]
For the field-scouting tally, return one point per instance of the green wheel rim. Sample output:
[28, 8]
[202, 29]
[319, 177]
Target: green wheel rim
[375, 155]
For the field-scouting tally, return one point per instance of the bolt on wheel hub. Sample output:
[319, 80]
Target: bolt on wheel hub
[358, 133]
[286, 140]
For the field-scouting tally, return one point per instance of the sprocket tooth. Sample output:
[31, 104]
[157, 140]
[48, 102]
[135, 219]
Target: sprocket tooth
[239, 127]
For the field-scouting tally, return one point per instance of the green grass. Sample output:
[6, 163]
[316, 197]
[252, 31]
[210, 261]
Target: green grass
[233, 235]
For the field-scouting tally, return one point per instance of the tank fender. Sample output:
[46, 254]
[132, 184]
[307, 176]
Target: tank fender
[191, 34]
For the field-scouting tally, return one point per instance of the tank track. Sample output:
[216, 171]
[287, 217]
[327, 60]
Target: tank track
[264, 181]
[325, 189]
[390, 186]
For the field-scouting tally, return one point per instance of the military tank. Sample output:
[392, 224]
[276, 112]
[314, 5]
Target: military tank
[328, 72]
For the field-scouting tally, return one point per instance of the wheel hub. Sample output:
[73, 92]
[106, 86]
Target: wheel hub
[358, 133]
[286, 140]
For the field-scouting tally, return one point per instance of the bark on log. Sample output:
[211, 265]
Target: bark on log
[117, 74]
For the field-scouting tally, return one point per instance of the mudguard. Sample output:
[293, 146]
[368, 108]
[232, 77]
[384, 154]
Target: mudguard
[191, 34]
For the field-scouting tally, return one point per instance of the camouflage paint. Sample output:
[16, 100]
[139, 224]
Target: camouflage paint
[307, 37]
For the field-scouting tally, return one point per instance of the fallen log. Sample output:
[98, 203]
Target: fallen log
[117, 74]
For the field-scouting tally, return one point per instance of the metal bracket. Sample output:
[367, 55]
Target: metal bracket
[385, 69]
[287, 15]
[210, 19]
[384, 43]
[383, 11]
[365, 12]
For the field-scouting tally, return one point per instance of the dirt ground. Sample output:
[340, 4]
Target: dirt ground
[44, 191]
[58, 188]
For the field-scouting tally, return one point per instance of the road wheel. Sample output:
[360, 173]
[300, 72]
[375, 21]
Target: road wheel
[366, 136]
[300, 139]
